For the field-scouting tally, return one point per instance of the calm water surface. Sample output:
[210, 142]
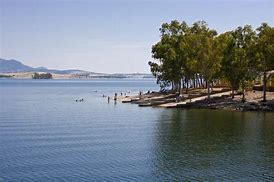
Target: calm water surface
[46, 136]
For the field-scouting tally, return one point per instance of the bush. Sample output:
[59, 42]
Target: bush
[42, 76]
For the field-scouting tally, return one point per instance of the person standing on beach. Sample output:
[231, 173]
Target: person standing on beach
[140, 94]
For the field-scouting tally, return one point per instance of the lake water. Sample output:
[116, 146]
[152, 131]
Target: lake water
[46, 136]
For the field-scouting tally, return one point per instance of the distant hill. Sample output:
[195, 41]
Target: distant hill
[14, 66]
[8, 66]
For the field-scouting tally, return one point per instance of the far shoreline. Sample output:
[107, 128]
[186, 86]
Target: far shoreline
[58, 76]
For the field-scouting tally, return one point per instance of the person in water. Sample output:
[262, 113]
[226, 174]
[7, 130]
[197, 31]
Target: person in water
[115, 97]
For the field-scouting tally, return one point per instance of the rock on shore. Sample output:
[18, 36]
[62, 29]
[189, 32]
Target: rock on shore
[232, 104]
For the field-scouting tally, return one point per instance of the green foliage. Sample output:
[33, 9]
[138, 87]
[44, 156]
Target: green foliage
[6, 76]
[42, 76]
[185, 52]
[265, 47]
[264, 52]
[205, 57]
[238, 63]
[167, 52]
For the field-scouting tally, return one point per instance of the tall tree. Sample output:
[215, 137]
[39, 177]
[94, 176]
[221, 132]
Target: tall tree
[238, 64]
[229, 68]
[205, 52]
[265, 51]
[167, 52]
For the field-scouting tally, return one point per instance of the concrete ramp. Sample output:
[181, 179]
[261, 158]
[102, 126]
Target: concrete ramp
[182, 103]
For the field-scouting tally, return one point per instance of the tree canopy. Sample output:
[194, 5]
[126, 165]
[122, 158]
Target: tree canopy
[42, 76]
[197, 55]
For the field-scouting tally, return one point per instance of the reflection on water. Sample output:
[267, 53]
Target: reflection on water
[206, 144]
[46, 136]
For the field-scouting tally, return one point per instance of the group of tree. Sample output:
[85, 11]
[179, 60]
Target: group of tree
[6, 76]
[42, 76]
[197, 55]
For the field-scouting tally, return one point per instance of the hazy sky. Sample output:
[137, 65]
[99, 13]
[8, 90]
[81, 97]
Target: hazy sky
[109, 35]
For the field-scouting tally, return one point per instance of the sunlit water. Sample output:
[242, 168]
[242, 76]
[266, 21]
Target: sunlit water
[46, 136]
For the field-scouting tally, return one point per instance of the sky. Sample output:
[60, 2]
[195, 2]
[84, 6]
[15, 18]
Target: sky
[109, 36]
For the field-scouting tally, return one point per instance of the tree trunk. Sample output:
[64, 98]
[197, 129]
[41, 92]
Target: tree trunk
[186, 86]
[201, 80]
[208, 89]
[180, 85]
[197, 82]
[264, 87]
[232, 93]
[243, 90]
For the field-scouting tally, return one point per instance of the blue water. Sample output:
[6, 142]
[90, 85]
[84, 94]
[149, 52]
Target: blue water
[46, 136]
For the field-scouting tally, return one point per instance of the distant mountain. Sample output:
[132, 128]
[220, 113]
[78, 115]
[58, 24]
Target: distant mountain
[14, 66]
[42, 69]
[70, 71]
[8, 66]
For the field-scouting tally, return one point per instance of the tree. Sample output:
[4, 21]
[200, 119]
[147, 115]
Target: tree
[205, 57]
[229, 68]
[265, 52]
[184, 52]
[170, 69]
[188, 53]
[42, 76]
[158, 73]
[237, 63]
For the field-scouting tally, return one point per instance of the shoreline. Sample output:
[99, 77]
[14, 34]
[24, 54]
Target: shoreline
[219, 100]
[227, 103]
[57, 76]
